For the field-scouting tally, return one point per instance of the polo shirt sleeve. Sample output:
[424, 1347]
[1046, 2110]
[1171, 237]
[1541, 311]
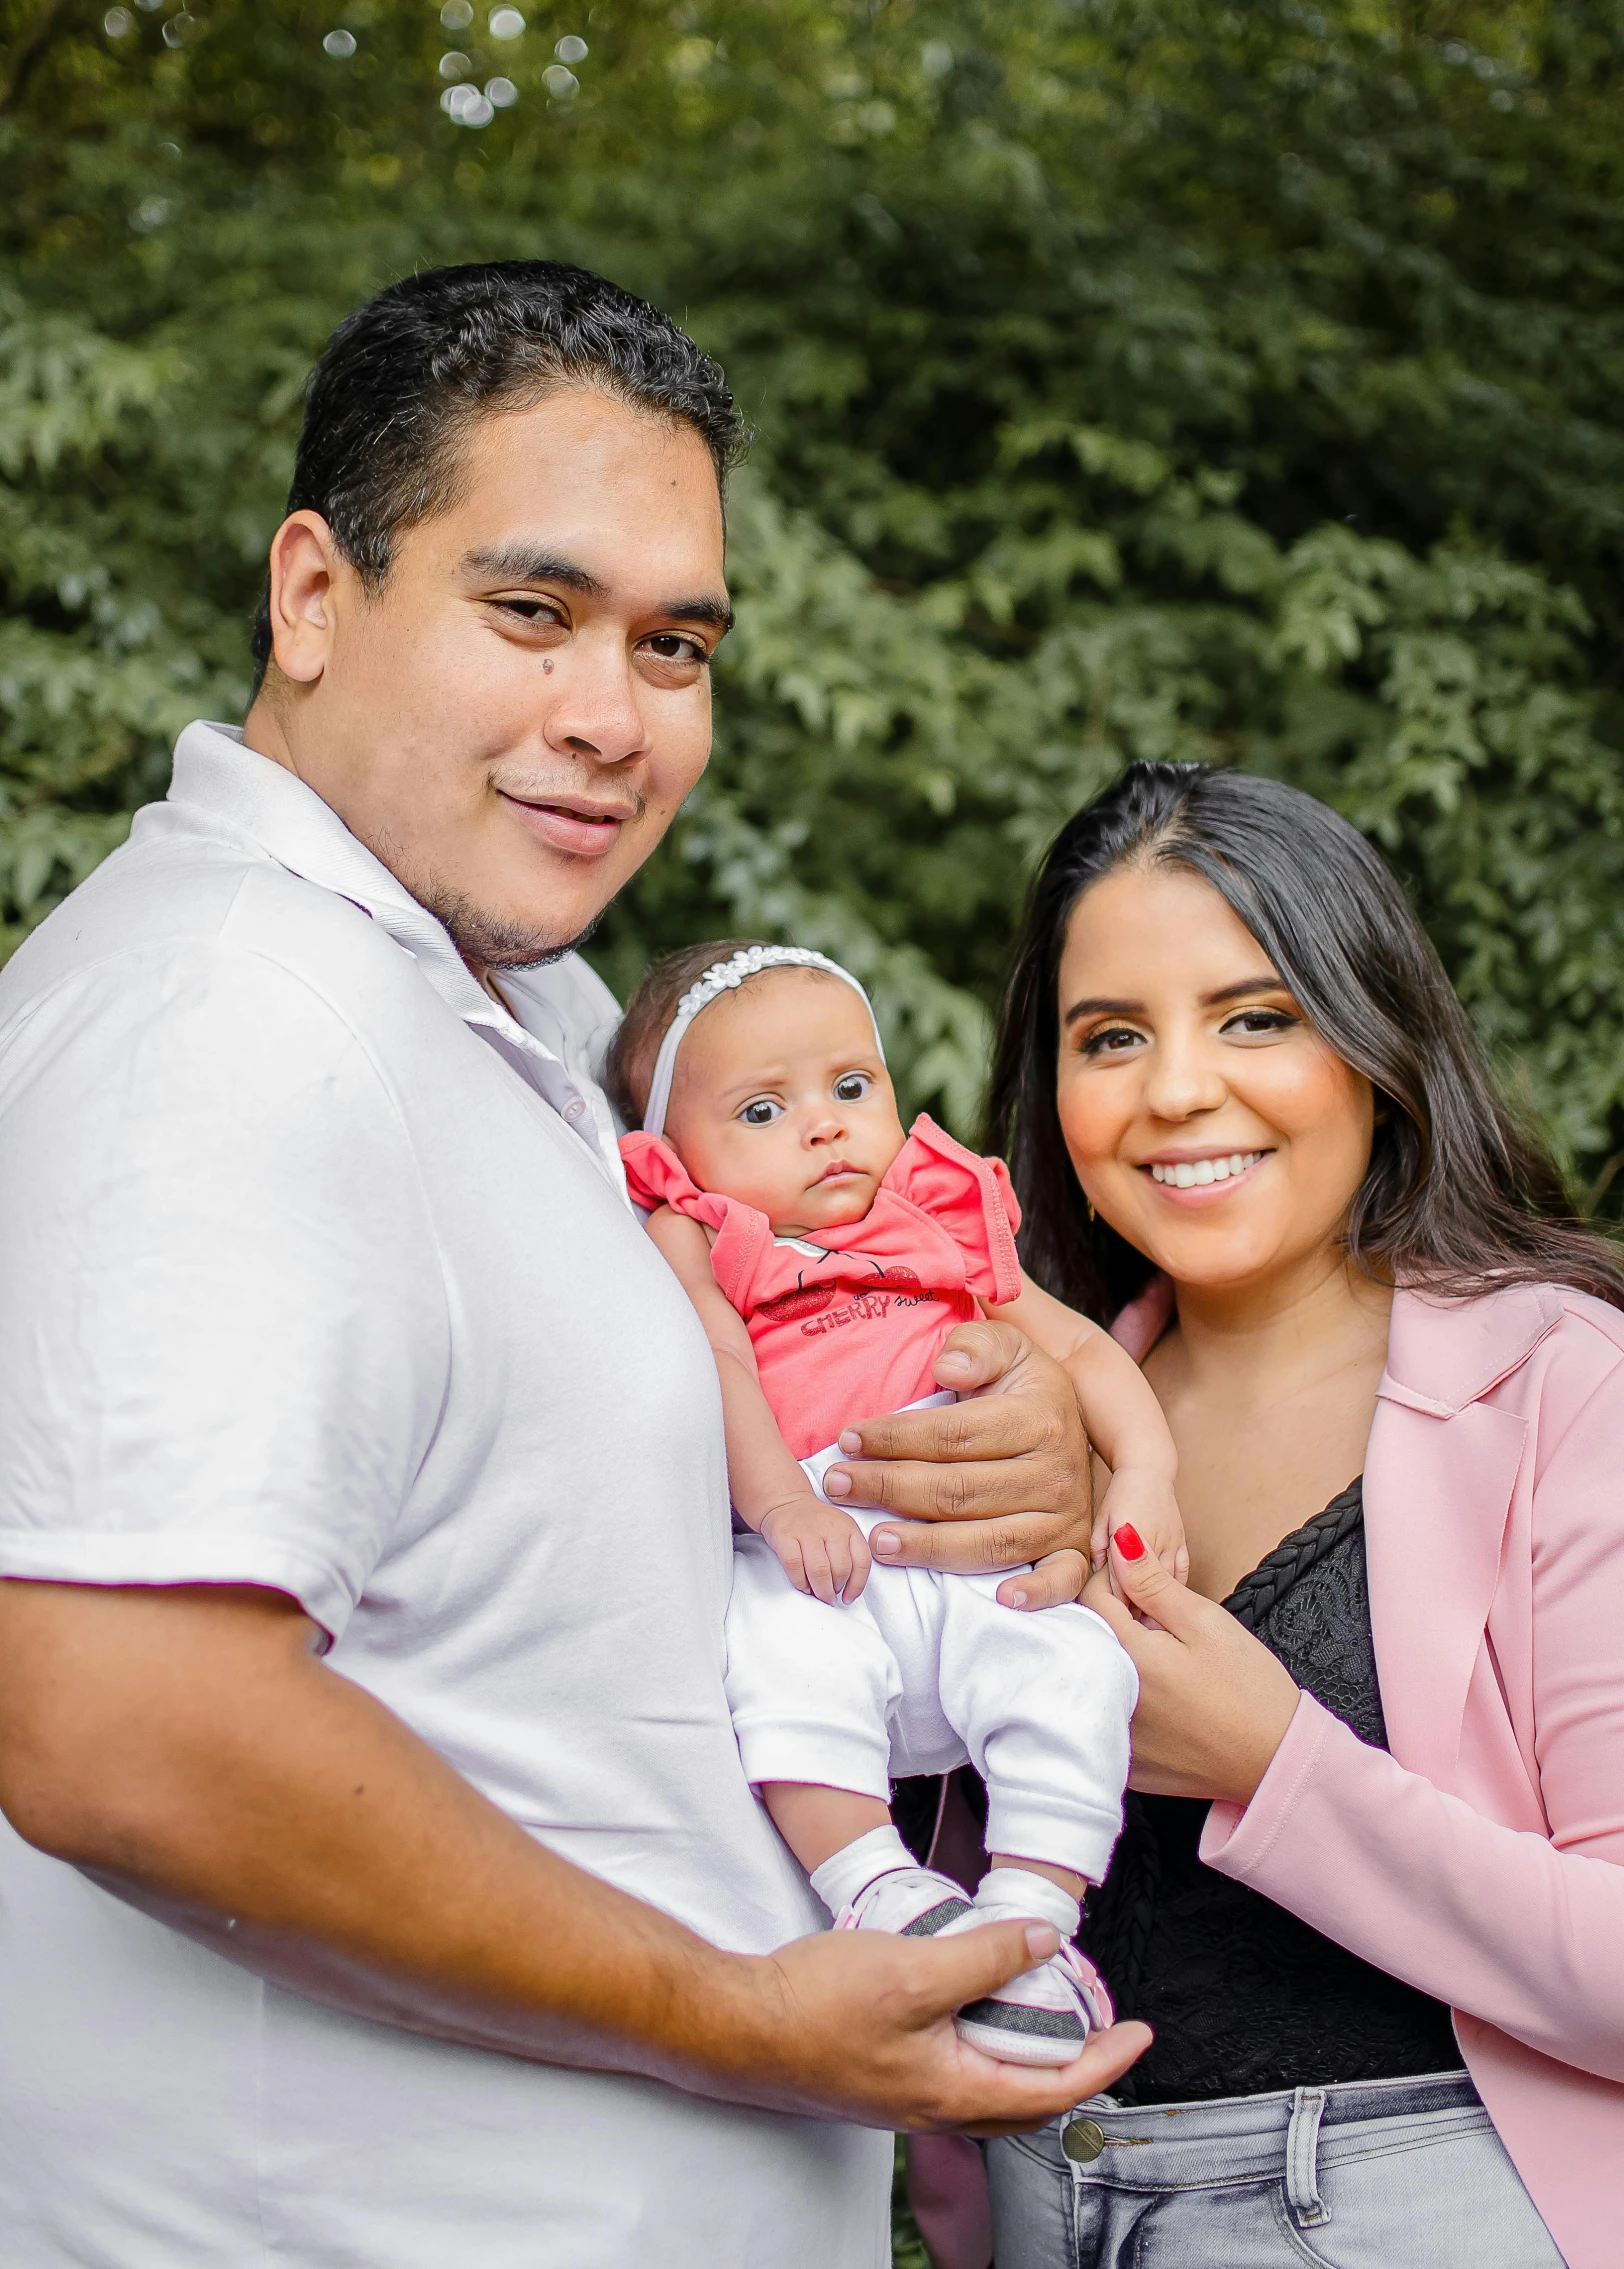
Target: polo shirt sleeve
[224, 1341]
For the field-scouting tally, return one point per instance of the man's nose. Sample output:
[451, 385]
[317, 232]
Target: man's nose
[594, 710]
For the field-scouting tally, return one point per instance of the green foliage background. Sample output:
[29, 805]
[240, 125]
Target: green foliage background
[1131, 377]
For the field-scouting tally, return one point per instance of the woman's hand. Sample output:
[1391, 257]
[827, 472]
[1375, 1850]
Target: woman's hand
[1214, 1704]
[1004, 1474]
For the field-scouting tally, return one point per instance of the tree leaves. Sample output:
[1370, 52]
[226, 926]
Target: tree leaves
[1150, 378]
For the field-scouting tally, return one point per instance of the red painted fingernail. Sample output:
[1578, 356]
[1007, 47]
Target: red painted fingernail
[1129, 1542]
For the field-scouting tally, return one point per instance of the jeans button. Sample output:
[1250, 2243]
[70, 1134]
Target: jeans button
[1083, 2140]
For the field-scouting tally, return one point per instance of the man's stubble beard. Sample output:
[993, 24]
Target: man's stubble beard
[486, 941]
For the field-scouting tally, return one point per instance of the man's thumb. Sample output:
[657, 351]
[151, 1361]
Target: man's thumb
[974, 1355]
[989, 1956]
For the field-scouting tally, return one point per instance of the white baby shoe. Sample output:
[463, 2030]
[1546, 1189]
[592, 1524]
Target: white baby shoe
[1042, 2017]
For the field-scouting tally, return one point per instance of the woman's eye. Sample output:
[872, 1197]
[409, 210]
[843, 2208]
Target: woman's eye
[1111, 1040]
[1260, 1021]
[762, 1112]
[852, 1086]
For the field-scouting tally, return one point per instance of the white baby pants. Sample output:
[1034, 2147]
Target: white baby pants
[926, 1672]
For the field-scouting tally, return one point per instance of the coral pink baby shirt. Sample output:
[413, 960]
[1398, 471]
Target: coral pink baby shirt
[849, 1326]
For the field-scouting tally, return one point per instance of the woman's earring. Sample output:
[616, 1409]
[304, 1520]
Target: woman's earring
[1092, 1215]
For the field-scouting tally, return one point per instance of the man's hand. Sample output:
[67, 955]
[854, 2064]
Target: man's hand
[867, 2025]
[187, 1748]
[820, 1550]
[1004, 1474]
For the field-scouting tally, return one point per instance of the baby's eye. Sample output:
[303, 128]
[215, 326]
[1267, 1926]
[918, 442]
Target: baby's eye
[852, 1086]
[762, 1112]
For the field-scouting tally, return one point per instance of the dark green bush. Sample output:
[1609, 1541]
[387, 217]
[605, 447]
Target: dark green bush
[1131, 377]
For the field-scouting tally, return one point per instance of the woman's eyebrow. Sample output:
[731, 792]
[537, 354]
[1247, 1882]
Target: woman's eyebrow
[1267, 983]
[1098, 1005]
[1101, 1007]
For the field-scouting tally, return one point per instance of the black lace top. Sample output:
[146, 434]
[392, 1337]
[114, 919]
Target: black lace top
[1243, 1996]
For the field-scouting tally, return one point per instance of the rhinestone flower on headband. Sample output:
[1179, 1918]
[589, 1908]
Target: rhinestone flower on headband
[726, 977]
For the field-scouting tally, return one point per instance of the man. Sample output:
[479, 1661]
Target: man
[385, 1890]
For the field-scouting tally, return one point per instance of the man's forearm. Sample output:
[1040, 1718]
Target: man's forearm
[190, 1752]
[186, 1748]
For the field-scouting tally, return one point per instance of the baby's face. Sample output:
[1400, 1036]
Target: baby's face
[780, 1100]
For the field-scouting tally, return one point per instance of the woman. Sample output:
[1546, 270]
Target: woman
[1395, 1374]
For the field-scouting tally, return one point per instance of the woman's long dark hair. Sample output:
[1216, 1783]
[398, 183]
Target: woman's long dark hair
[1458, 1198]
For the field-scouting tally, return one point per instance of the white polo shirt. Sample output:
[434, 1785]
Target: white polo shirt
[319, 1274]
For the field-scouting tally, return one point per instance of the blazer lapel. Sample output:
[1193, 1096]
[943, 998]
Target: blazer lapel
[1438, 1490]
[1440, 1470]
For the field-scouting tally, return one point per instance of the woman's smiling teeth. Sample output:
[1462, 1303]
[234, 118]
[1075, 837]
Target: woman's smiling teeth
[1194, 1173]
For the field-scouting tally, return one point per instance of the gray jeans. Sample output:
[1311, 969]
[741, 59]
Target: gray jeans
[1365, 2175]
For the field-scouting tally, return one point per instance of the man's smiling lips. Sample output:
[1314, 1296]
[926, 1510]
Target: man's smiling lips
[572, 823]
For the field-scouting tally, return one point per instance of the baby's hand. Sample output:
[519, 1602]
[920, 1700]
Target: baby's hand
[822, 1549]
[1146, 1501]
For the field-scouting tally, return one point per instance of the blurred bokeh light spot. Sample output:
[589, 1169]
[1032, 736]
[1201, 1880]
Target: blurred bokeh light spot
[502, 92]
[457, 15]
[936, 59]
[466, 106]
[506, 23]
[179, 29]
[117, 22]
[454, 65]
[562, 85]
[339, 43]
[571, 50]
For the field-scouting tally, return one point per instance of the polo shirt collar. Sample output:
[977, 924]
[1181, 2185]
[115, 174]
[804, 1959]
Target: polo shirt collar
[229, 784]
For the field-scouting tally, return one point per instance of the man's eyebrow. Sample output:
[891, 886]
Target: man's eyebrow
[1268, 982]
[714, 612]
[519, 563]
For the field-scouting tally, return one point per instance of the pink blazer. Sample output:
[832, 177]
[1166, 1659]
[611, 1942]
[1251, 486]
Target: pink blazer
[1483, 1859]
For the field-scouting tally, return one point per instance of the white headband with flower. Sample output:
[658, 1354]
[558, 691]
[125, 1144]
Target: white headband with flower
[726, 977]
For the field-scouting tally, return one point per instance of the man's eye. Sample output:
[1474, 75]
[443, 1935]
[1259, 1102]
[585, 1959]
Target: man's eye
[762, 1112]
[530, 610]
[852, 1086]
[670, 646]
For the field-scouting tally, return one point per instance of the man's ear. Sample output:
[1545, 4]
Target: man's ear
[305, 567]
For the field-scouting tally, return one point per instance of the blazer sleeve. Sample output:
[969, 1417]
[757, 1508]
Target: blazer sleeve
[1511, 1927]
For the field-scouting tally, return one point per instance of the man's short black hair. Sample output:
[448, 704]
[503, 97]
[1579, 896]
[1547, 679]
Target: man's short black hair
[400, 381]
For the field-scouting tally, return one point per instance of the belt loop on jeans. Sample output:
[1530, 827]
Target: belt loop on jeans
[1309, 2209]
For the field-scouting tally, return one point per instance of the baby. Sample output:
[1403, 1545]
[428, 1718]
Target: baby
[829, 1256]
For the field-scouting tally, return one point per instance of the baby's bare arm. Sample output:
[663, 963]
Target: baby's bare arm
[822, 1548]
[1124, 1422]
